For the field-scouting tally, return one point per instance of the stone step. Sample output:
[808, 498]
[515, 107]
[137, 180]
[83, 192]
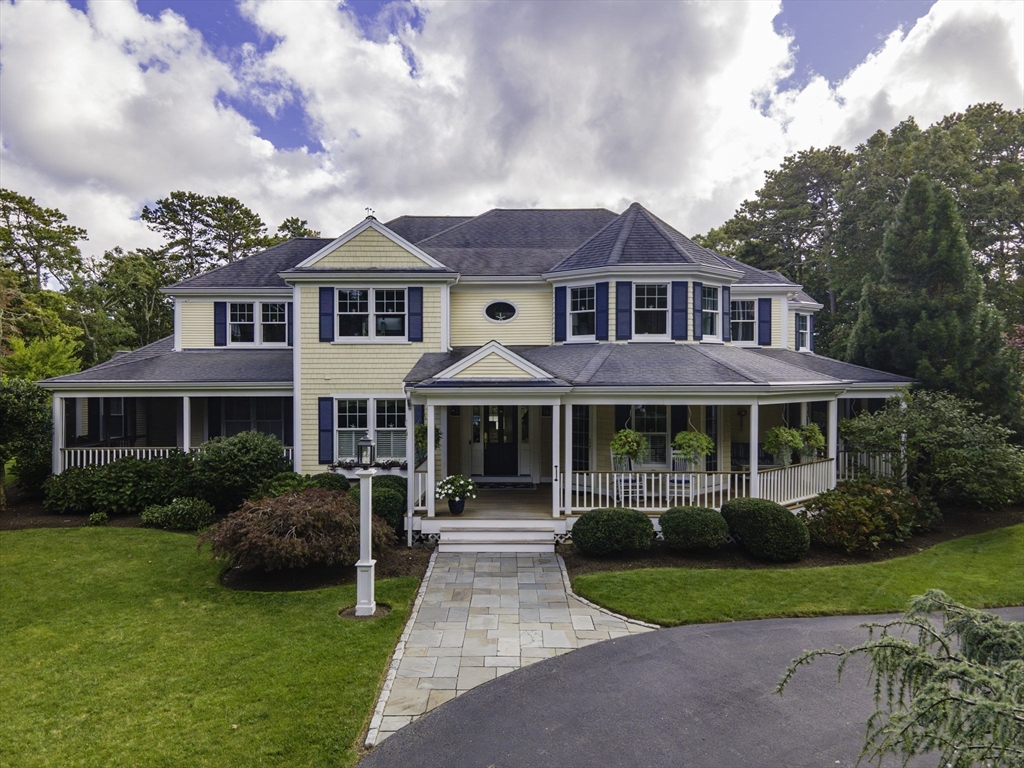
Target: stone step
[497, 546]
[475, 534]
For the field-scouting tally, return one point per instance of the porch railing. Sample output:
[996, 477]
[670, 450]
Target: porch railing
[853, 465]
[797, 482]
[87, 456]
[651, 491]
[419, 491]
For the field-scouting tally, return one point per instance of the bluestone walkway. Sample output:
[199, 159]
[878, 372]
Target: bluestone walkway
[479, 616]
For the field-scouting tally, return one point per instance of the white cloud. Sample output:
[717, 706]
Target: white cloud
[514, 104]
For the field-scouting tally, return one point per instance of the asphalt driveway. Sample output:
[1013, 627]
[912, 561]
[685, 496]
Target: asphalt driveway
[699, 696]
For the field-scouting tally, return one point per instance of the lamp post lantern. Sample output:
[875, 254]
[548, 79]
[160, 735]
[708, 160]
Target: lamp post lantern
[365, 450]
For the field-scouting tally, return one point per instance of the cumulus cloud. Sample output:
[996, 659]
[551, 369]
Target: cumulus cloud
[472, 106]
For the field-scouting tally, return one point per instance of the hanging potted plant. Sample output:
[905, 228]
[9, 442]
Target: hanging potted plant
[691, 447]
[813, 441]
[420, 440]
[629, 444]
[456, 488]
[781, 442]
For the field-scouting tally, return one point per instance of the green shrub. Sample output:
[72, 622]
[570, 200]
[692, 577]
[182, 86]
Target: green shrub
[390, 505]
[70, 492]
[353, 493]
[612, 530]
[314, 527]
[187, 514]
[279, 484]
[693, 528]
[228, 469]
[394, 483]
[767, 530]
[98, 518]
[858, 515]
[329, 481]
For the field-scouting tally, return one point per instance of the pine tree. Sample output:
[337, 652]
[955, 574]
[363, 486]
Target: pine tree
[924, 315]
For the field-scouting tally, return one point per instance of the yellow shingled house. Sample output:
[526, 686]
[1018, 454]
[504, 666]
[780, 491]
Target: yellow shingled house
[521, 339]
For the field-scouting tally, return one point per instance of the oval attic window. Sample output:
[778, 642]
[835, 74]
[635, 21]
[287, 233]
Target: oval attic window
[500, 311]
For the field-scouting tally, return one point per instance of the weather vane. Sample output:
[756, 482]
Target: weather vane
[369, 212]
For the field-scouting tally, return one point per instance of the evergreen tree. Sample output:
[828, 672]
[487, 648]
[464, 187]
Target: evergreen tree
[924, 315]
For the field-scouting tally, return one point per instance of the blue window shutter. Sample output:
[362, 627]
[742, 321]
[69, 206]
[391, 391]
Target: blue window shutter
[623, 310]
[290, 325]
[810, 332]
[220, 323]
[416, 314]
[601, 318]
[726, 313]
[326, 314]
[764, 322]
[622, 414]
[680, 312]
[698, 311]
[325, 411]
[560, 313]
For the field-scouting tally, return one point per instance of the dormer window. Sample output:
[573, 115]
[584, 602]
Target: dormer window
[801, 332]
[582, 313]
[272, 318]
[709, 311]
[650, 310]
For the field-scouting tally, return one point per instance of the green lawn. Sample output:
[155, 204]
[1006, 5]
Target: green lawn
[118, 646]
[985, 571]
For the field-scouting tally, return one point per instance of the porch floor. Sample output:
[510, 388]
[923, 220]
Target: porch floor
[504, 504]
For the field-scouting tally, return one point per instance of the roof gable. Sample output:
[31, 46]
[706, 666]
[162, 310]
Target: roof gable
[493, 361]
[370, 245]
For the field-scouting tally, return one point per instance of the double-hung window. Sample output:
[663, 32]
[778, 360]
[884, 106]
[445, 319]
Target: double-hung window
[652, 422]
[801, 332]
[582, 313]
[351, 426]
[650, 310]
[271, 317]
[372, 313]
[390, 432]
[709, 311]
[742, 315]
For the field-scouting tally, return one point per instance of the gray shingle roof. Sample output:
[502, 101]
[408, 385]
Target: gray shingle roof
[638, 237]
[259, 270]
[650, 365]
[416, 228]
[159, 363]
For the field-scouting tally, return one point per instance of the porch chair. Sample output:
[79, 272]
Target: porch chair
[629, 490]
[679, 482]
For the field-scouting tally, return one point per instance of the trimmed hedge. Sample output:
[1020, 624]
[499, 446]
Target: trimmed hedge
[392, 482]
[686, 528]
[767, 530]
[188, 514]
[314, 527]
[230, 469]
[612, 530]
[329, 481]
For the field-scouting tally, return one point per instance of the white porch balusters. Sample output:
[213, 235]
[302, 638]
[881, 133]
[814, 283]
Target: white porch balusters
[833, 438]
[755, 488]
[186, 423]
[556, 452]
[431, 478]
[57, 458]
[567, 489]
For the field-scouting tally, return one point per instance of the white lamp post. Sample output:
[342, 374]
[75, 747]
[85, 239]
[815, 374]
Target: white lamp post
[365, 603]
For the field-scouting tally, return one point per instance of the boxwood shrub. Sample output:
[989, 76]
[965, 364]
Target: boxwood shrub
[394, 483]
[314, 527]
[767, 530]
[612, 530]
[686, 528]
[187, 514]
[858, 515]
[329, 481]
[230, 469]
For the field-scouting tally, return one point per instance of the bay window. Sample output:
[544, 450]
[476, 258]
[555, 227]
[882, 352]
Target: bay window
[582, 312]
[709, 310]
[650, 310]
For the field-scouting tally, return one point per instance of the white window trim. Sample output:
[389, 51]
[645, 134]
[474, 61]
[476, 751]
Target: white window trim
[371, 305]
[667, 464]
[667, 336]
[569, 336]
[732, 336]
[718, 322]
[515, 315]
[371, 420]
[806, 346]
[257, 315]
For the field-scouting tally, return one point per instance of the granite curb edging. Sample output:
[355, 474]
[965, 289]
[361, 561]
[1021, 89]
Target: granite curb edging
[595, 606]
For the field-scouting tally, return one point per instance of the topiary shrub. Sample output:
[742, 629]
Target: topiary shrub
[187, 514]
[314, 527]
[858, 515]
[687, 528]
[767, 530]
[229, 469]
[394, 483]
[329, 481]
[612, 530]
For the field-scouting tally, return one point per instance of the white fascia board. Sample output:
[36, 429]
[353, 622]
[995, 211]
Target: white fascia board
[485, 281]
[231, 294]
[803, 306]
[370, 223]
[710, 395]
[490, 395]
[762, 290]
[637, 272]
[168, 388]
[876, 390]
[367, 276]
[506, 354]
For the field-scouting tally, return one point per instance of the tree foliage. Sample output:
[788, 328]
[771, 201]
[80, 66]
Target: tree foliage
[37, 243]
[292, 227]
[27, 426]
[958, 691]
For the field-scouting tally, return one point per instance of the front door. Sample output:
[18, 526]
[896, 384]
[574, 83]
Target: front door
[501, 444]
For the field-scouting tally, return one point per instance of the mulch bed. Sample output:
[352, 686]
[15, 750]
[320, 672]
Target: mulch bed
[957, 522]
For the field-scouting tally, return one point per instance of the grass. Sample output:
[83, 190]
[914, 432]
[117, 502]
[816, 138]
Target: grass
[984, 571]
[120, 647]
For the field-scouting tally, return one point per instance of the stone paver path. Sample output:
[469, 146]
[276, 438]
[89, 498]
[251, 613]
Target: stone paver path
[479, 617]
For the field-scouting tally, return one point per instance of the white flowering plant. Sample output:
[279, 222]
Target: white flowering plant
[456, 487]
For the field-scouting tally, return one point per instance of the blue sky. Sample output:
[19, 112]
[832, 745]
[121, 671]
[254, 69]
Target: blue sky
[317, 109]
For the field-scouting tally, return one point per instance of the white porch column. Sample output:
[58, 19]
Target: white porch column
[556, 454]
[186, 423]
[755, 486]
[57, 460]
[431, 479]
[803, 413]
[567, 485]
[833, 438]
[410, 458]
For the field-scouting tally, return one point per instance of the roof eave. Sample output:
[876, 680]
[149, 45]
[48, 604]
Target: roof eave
[680, 269]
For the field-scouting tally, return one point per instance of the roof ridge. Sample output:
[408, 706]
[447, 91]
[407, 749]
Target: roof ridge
[702, 350]
[661, 227]
[585, 242]
[456, 226]
[592, 367]
[624, 233]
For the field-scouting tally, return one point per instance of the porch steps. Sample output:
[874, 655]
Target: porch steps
[537, 536]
